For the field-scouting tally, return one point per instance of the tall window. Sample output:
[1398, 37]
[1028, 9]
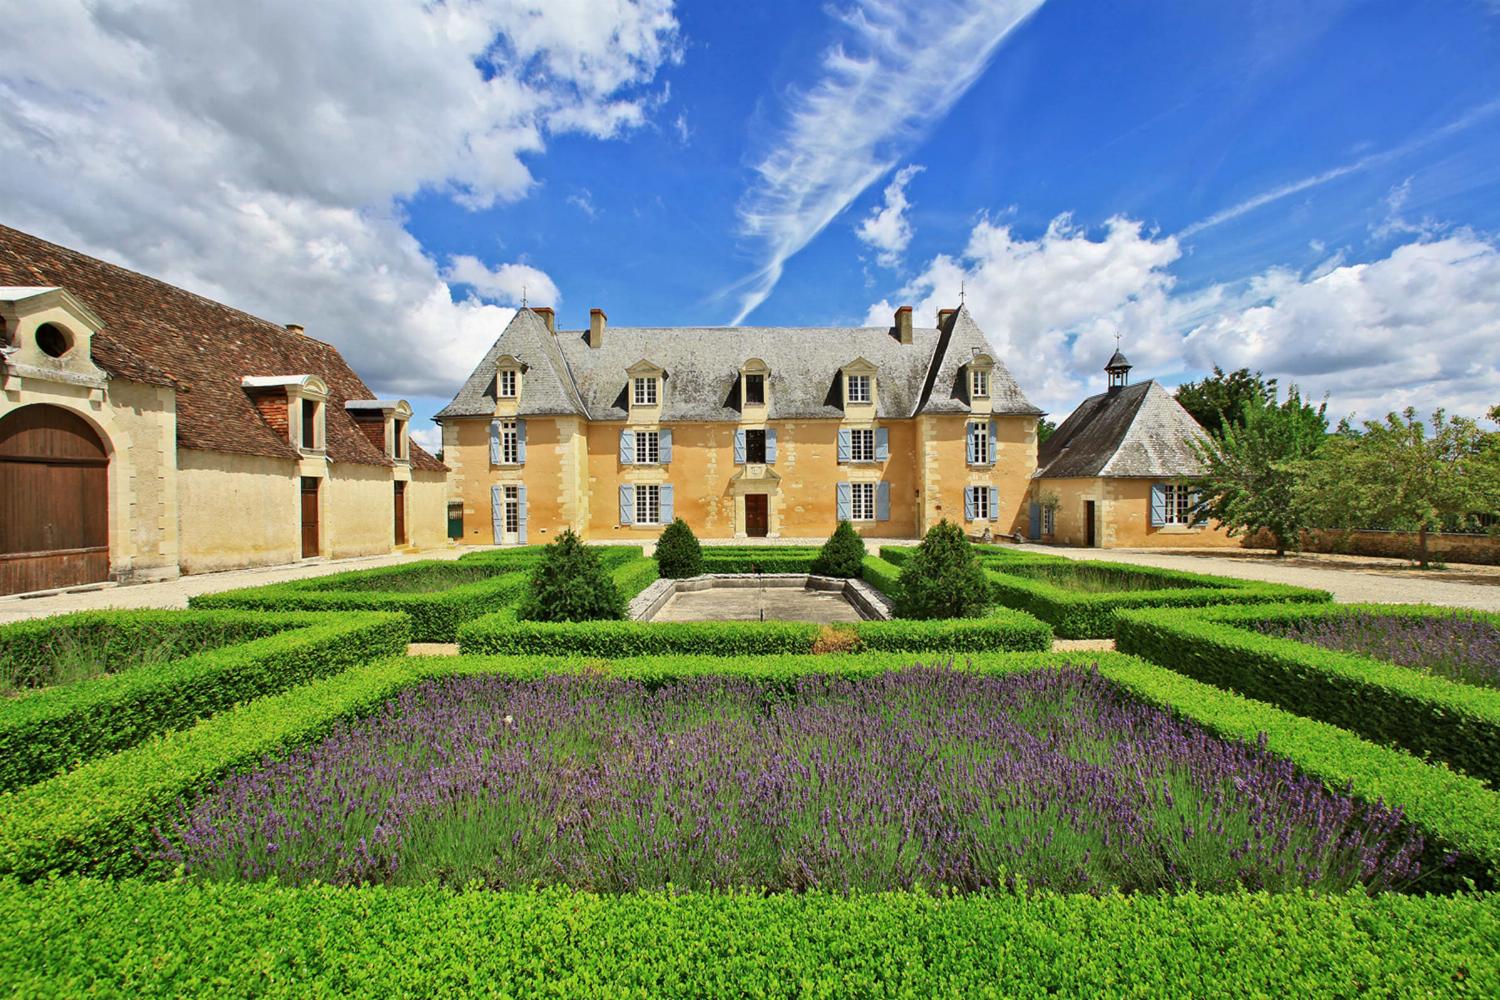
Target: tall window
[755, 447]
[979, 383]
[645, 391]
[309, 424]
[647, 447]
[862, 501]
[862, 445]
[1179, 504]
[508, 385]
[512, 510]
[510, 443]
[398, 438]
[979, 443]
[755, 390]
[1049, 520]
[647, 504]
[859, 388]
[979, 500]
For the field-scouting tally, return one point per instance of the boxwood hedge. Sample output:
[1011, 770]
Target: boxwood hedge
[49, 730]
[1455, 722]
[78, 937]
[1081, 615]
[882, 575]
[435, 614]
[766, 559]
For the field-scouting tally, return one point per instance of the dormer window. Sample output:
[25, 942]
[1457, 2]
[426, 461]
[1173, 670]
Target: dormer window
[52, 340]
[755, 390]
[507, 383]
[398, 438]
[312, 420]
[293, 405]
[385, 423]
[859, 389]
[645, 391]
[979, 383]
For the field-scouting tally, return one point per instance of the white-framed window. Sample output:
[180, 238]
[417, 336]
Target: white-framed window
[979, 500]
[979, 383]
[510, 443]
[647, 447]
[862, 445]
[859, 388]
[862, 501]
[508, 384]
[1049, 520]
[647, 504]
[398, 438]
[645, 391]
[755, 390]
[979, 443]
[1179, 504]
[512, 510]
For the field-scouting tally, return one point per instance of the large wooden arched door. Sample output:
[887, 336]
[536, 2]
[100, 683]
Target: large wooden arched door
[54, 501]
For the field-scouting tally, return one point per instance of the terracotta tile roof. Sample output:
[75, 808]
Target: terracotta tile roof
[162, 335]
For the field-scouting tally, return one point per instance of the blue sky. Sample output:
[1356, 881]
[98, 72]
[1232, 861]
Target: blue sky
[1308, 188]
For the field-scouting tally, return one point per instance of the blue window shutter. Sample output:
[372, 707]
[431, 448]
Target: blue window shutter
[667, 511]
[1158, 504]
[521, 520]
[739, 447]
[1034, 521]
[627, 448]
[770, 446]
[883, 502]
[994, 504]
[627, 503]
[520, 442]
[494, 442]
[845, 504]
[497, 512]
[882, 444]
[968, 503]
[993, 451]
[969, 443]
[666, 445]
[846, 448]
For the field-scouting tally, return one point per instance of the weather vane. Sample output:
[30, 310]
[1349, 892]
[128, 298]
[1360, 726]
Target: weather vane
[960, 294]
[523, 300]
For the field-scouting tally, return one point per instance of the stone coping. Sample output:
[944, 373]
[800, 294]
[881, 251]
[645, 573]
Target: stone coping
[871, 604]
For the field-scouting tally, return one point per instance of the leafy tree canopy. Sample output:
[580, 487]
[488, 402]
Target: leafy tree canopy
[569, 585]
[1044, 429]
[1219, 400]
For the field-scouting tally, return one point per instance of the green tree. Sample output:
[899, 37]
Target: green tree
[569, 585]
[1252, 469]
[842, 555]
[678, 554]
[943, 578]
[1406, 474]
[1219, 400]
[1044, 429]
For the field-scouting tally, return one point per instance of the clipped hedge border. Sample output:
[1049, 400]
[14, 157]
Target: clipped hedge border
[634, 575]
[1077, 615]
[55, 728]
[1449, 720]
[81, 936]
[435, 616]
[767, 560]
[882, 575]
[501, 634]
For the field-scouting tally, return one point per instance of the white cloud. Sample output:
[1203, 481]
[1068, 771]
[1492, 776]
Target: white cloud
[511, 284]
[584, 202]
[1420, 327]
[680, 123]
[886, 229]
[429, 438]
[896, 72]
[257, 152]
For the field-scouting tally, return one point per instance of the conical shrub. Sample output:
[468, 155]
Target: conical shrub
[842, 555]
[943, 578]
[569, 585]
[678, 554]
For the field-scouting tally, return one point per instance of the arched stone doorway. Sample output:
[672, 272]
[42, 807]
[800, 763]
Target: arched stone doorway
[54, 501]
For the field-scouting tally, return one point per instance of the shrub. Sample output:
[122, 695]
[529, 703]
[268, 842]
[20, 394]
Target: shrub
[1454, 722]
[678, 553]
[569, 585]
[56, 728]
[633, 576]
[942, 579]
[1080, 614]
[842, 555]
[762, 559]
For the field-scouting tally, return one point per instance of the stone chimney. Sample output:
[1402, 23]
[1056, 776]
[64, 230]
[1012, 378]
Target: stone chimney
[597, 322]
[548, 317]
[944, 315]
[903, 324]
[294, 328]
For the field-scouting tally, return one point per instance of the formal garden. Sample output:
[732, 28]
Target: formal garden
[266, 795]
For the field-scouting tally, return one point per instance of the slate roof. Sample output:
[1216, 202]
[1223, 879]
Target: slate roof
[566, 376]
[159, 334]
[1141, 431]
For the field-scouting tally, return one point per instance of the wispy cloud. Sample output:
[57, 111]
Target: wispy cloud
[892, 74]
[1459, 124]
[583, 200]
[886, 229]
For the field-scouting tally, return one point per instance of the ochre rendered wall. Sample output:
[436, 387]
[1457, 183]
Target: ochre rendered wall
[359, 511]
[237, 510]
[945, 472]
[1123, 516]
[427, 510]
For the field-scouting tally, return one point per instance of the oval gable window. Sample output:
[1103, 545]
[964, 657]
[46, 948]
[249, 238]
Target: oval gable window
[52, 340]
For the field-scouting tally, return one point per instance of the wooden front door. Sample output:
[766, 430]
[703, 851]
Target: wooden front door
[757, 515]
[54, 501]
[1090, 528]
[309, 516]
[400, 513]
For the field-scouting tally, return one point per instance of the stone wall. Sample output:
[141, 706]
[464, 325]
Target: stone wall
[238, 510]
